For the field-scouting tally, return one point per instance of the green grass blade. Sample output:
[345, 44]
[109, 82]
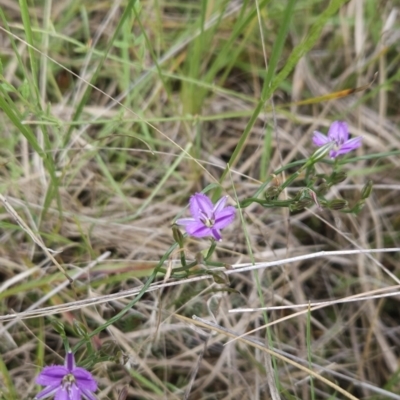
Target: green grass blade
[168, 173]
[14, 116]
[266, 91]
[32, 56]
[127, 11]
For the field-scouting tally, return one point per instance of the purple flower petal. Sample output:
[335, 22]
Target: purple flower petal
[208, 219]
[333, 154]
[84, 379]
[350, 145]
[66, 382]
[49, 391]
[338, 135]
[70, 361]
[185, 221]
[74, 393]
[220, 204]
[224, 217]
[52, 375]
[198, 229]
[200, 204]
[319, 139]
[216, 234]
[62, 394]
[338, 132]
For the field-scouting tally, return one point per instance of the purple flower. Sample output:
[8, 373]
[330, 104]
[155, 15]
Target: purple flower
[66, 382]
[207, 219]
[338, 134]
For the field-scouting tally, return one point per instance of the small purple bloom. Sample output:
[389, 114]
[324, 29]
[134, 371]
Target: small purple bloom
[208, 219]
[338, 134]
[66, 382]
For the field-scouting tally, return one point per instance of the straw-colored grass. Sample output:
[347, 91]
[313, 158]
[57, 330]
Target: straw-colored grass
[113, 113]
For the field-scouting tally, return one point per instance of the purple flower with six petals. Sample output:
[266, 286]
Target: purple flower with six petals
[207, 219]
[66, 382]
[338, 134]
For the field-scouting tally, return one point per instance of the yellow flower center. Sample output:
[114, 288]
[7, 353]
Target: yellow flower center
[68, 381]
[208, 222]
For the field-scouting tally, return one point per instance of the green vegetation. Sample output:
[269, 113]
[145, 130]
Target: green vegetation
[113, 113]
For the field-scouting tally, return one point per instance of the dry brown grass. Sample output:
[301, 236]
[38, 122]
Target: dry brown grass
[122, 184]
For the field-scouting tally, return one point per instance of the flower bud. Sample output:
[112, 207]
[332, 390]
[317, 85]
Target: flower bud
[366, 190]
[322, 189]
[314, 198]
[301, 204]
[276, 180]
[79, 328]
[58, 326]
[320, 153]
[272, 193]
[337, 177]
[337, 204]
[177, 235]
[220, 277]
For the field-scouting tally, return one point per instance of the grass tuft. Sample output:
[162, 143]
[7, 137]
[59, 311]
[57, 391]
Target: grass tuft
[113, 114]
